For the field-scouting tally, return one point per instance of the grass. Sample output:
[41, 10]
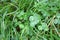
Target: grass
[29, 19]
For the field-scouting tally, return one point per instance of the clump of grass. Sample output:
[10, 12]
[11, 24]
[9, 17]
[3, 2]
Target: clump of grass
[30, 20]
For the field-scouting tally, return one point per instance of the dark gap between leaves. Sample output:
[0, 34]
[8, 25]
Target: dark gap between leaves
[18, 28]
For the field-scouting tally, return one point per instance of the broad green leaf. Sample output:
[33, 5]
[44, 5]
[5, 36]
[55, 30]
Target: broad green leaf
[34, 20]
[43, 26]
[21, 26]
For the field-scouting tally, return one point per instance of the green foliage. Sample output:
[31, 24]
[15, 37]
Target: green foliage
[43, 26]
[34, 19]
[29, 19]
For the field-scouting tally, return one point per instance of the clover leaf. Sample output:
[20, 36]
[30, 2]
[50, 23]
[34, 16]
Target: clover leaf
[43, 26]
[34, 20]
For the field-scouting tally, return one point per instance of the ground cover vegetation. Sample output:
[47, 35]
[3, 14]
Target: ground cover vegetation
[29, 19]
